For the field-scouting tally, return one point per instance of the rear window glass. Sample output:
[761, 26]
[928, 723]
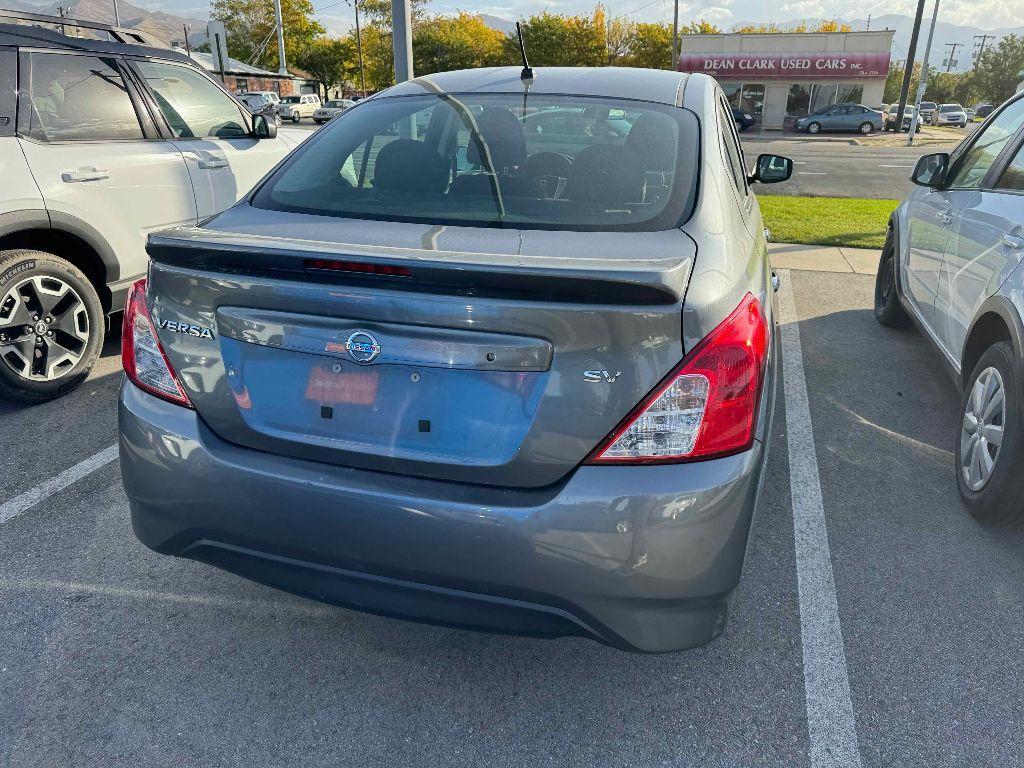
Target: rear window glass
[499, 160]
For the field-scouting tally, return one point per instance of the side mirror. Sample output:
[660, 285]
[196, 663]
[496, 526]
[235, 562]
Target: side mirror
[262, 128]
[771, 169]
[930, 170]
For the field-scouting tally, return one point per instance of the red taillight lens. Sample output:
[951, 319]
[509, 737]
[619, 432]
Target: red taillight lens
[359, 267]
[142, 356]
[707, 406]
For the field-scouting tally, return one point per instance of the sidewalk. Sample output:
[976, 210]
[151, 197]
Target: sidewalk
[824, 258]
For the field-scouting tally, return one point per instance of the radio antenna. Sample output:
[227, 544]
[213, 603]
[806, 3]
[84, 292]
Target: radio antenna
[527, 73]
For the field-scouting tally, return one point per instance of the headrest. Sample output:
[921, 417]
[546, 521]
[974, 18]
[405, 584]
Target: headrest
[503, 134]
[406, 165]
[606, 174]
[653, 138]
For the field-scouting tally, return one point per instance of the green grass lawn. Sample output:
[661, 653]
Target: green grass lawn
[851, 221]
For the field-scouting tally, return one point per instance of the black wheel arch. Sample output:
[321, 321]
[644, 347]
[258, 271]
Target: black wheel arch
[68, 237]
[996, 320]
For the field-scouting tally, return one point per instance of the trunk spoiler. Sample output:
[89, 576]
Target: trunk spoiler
[626, 281]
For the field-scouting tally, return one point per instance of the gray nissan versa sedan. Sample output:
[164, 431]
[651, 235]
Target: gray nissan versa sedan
[439, 367]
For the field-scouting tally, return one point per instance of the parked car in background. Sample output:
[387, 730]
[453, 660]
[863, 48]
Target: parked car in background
[984, 110]
[928, 109]
[950, 114]
[971, 114]
[111, 142]
[952, 263]
[474, 375]
[743, 119]
[841, 117]
[270, 97]
[908, 116]
[331, 108]
[259, 106]
[296, 107]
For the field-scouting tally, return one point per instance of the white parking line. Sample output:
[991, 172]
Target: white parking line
[895, 166]
[47, 488]
[813, 173]
[831, 726]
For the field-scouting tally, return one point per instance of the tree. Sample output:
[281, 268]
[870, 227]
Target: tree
[894, 81]
[619, 38]
[998, 71]
[700, 27]
[833, 26]
[554, 40]
[378, 53]
[328, 60]
[443, 43]
[250, 26]
[651, 46]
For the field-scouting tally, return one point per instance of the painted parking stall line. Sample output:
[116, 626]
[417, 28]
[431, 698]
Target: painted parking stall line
[831, 726]
[47, 488]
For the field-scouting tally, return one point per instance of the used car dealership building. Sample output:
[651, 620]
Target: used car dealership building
[780, 76]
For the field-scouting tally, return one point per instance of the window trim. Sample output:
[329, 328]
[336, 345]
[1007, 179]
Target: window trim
[164, 127]
[727, 128]
[22, 130]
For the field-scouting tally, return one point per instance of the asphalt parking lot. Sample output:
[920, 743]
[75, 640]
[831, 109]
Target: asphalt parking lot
[876, 623]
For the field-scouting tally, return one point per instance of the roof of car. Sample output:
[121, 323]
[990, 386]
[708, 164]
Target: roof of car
[657, 85]
[25, 36]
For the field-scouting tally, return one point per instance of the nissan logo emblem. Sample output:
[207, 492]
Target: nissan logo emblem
[362, 347]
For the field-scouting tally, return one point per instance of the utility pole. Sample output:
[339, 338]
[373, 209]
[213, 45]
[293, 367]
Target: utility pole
[282, 67]
[185, 28]
[117, 17]
[674, 64]
[923, 82]
[62, 12]
[950, 62]
[868, 27]
[908, 71]
[359, 52]
[980, 44]
[401, 36]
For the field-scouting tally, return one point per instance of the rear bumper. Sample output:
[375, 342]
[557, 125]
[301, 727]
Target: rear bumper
[642, 558]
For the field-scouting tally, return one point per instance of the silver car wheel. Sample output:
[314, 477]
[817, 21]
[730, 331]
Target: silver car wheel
[982, 432]
[44, 328]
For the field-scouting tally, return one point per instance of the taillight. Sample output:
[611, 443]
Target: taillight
[141, 354]
[707, 406]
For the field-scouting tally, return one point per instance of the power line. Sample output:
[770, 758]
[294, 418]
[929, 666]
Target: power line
[950, 62]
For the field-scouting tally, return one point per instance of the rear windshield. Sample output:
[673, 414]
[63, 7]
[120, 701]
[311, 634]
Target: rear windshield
[951, 108]
[499, 160]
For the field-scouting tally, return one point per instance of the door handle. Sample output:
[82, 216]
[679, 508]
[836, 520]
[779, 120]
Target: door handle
[85, 174]
[1013, 242]
[214, 163]
[944, 217]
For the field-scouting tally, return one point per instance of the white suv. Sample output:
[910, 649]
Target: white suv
[102, 143]
[296, 107]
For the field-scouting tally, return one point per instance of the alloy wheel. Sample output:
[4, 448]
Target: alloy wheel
[44, 328]
[983, 425]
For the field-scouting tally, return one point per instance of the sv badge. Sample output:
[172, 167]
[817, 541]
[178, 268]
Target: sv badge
[596, 377]
[185, 328]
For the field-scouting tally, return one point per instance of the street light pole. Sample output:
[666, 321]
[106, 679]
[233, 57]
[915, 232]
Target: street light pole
[282, 67]
[923, 83]
[401, 36]
[359, 52]
[675, 36]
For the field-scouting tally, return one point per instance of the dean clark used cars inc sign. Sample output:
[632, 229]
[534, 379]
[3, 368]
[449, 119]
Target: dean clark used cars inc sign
[787, 66]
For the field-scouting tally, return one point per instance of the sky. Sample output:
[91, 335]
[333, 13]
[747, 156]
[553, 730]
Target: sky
[987, 14]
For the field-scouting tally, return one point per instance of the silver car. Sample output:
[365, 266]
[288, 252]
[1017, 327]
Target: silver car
[952, 264]
[443, 368]
[950, 114]
[331, 108]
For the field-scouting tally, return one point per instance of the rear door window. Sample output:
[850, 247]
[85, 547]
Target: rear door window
[79, 98]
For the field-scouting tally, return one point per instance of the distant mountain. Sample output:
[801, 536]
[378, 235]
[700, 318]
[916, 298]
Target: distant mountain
[944, 33]
[165, 26]
[498, 23]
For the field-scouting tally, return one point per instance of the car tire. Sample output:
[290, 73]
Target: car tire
[1000, 496]
[866, 128]
[296, 118]
[888, 309]
[36, 284]
[814, 128]
[318, 122]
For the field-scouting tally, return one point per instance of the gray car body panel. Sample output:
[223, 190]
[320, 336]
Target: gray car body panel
[642, 557]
